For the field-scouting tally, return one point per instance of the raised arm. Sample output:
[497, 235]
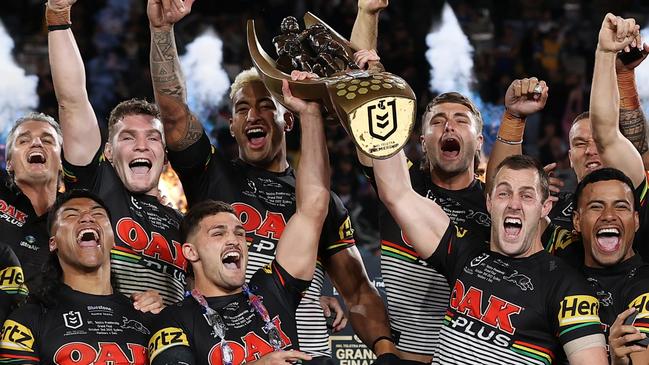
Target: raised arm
[521, 100]
[366, 26]
[78, 121]
[421, 219]
[182, 128]
[297, 249]
[615, 150]
[633, 123]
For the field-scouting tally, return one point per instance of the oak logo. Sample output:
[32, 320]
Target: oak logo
[166, 338]
[72, 319]
[16, 337]
[271, 226]
[76, 353]
[498, 313]
[576, 309]
[131, 232]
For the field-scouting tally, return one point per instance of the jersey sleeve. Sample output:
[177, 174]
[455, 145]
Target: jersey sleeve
[12, 281]
[337, 231]
[169, 344]
[637, 295]
[455, 247]
[192, 166]
[19, 344]
[575, 312]
[83, 177]
[274, 278]
[640, 243]
[564, 244]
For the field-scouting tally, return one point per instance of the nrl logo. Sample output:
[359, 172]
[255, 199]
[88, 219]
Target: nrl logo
[72, 320]
[382, 118]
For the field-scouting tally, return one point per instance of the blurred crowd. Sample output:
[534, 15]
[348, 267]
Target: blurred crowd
[512, 39]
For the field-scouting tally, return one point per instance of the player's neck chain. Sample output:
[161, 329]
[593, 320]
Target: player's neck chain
[219, 328]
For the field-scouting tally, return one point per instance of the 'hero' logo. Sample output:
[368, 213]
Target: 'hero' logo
[642, 304]
[255, 347]
[11, 214]
[76, 353]
[132, 233]
[272, 226]
[498, 313]
[577, 309]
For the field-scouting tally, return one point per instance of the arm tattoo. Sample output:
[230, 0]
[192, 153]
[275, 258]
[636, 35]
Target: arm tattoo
[633, 126]
[192, 134]
[169, 88]
[165, 68]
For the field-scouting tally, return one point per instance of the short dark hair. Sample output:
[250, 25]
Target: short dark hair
[523, 162]
[67, 196]
[605, 174]
[199, 211]
[584, 115]
[456, 98]
[130, 107]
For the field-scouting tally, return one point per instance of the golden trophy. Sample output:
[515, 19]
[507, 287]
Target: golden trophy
[375, 107]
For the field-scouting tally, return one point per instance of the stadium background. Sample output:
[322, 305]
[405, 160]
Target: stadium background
[507, 39]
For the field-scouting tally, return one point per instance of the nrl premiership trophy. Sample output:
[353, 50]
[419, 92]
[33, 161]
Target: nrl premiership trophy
[375, 107]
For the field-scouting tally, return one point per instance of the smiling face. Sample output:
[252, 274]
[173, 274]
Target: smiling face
[606, 219]
[137, 152]
[450, 138]
[35, 153]
[218, 252]
[517, 205]
[583, 154]
[258, 125]
[83, 235]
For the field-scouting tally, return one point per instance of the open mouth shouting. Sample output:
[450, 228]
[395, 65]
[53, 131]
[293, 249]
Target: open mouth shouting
[232, 259]
[450, 147]
[513, 227]
[36, 158]
[593, 165]
[608, 239]
[140, 166]
[256, 136]
[88, 237]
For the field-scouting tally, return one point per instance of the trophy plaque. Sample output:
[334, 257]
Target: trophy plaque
[375, 107]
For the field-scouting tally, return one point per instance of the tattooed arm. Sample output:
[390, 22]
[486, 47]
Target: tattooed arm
[633, 123]
[182, 128]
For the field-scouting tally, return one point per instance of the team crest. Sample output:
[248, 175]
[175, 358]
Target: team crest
[382, 118]
[72, 319]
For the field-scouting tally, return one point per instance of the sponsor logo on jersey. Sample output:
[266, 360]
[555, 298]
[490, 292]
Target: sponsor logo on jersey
[11, 278]
[12, 215]
[254, 347]
[154, 245]
[479, 259]
[29, 242]
[498, 313]
[521, 280]
[345, 231]
[16, 337]
[267, 230]
[460, 232]
[166, 338]
[134, 325]
[72, 319]
[109, 353]
[642, 305]
[576, 309]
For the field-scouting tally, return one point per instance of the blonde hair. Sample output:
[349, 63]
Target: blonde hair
[244, 77]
